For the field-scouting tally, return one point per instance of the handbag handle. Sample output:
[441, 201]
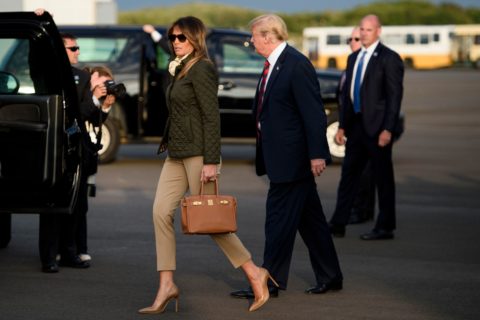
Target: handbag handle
[216, 187]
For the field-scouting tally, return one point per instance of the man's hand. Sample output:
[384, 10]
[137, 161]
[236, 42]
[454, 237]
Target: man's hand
[340, 137]
[385, 138]
[148, 28]
[108, 102]
[99, 90]
[318, 166]
[39, 11]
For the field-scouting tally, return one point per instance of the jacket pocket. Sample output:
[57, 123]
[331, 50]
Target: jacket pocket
[187, 124]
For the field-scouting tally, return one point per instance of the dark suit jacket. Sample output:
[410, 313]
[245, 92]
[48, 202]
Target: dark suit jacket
[293, 120]
[93, 114]
[381, 92]
[88, 110]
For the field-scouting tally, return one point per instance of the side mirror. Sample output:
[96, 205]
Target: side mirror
[9, 84]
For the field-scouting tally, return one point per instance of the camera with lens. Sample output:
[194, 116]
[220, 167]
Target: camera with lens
[116, 89]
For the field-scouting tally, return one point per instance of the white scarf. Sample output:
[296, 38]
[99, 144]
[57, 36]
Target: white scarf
[175, 63]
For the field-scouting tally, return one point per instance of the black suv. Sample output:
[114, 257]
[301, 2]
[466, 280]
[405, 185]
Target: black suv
[39, 131]
[141, 65]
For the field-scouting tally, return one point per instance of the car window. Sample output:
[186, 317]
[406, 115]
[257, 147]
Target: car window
[14, 55]
[238, 56]
[162, 58]
[100, 49]
[30, 61]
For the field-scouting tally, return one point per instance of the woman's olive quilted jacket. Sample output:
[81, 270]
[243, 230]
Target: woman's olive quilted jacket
[193, 126]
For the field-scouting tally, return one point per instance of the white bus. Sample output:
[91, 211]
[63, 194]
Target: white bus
[466, 44]
[420, 46]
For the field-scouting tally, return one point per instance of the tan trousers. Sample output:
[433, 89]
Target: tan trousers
[176, 178]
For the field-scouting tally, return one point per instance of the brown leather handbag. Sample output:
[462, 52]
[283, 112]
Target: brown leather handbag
[209, 214]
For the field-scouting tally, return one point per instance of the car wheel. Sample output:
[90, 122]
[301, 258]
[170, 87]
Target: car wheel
[337, 151]
[5, 229]
[110, 142]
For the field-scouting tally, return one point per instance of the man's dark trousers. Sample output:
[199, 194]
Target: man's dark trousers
[360, 149]
[291, 206]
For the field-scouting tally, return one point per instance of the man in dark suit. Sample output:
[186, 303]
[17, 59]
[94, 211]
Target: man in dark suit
[371, 107]
[364, 205]
[65, 234]
[292, 150]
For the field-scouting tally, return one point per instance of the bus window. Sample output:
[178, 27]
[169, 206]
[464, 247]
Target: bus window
[436, 37]
[333, 39]
[476, 39]
[410, 39]
[424, 39]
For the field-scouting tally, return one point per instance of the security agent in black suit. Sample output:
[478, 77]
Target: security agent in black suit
[292, 150]
[364, 205]
[368, 118]
[58, 232]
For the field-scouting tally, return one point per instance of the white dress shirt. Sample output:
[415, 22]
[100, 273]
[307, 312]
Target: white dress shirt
[369, 52]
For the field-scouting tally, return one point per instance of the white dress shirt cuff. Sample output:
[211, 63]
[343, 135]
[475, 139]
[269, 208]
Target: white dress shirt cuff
[156, 36]
[107, 110]
[96, 101]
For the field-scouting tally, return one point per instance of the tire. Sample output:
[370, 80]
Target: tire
[408, 63]
[337, 151]
[476, 64]
[332, 63]
[110, 141]
[5, 229]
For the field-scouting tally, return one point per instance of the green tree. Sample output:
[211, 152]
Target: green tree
[391, 12]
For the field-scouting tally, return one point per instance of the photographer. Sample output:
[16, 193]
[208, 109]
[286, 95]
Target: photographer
[104, 92]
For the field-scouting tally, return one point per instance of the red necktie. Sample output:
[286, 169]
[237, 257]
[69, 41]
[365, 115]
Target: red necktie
[261, 92]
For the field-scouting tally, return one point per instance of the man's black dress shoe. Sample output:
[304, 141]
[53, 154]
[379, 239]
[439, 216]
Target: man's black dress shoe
[248, 293]
[337, 230]
[377, 234]
[74, 262]
[50, 268]
[360, 216]
[324, 287]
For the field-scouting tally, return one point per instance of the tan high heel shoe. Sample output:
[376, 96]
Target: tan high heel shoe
[261, 300]
[174, 294]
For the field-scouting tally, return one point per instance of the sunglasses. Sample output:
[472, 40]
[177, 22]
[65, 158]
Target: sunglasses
[73, 49]
[181, 37]
[353, 39]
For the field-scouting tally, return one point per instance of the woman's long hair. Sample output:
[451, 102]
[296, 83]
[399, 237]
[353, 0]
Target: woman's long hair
[103, 71]
[196, 33]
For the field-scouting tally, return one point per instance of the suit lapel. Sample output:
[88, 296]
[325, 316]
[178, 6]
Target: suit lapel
[277, 68]
[349, 74]
[372, 62]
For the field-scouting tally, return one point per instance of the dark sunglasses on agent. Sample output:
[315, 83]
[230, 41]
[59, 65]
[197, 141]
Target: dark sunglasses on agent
[73, 49]
[353, 39]
[181, 37]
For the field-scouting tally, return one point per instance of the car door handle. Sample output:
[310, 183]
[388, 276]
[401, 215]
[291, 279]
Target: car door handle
[226, 85]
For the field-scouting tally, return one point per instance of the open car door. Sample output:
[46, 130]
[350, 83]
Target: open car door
[39, 135]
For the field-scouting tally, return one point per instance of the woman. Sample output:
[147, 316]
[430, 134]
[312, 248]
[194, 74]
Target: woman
[192, 137]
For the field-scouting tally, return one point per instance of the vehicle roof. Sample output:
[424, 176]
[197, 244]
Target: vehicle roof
[102, 28]
[132, 29]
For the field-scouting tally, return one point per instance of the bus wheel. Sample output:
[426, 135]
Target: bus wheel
[110, 141]
[332, 63]
[408, 63]
[336, 150]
